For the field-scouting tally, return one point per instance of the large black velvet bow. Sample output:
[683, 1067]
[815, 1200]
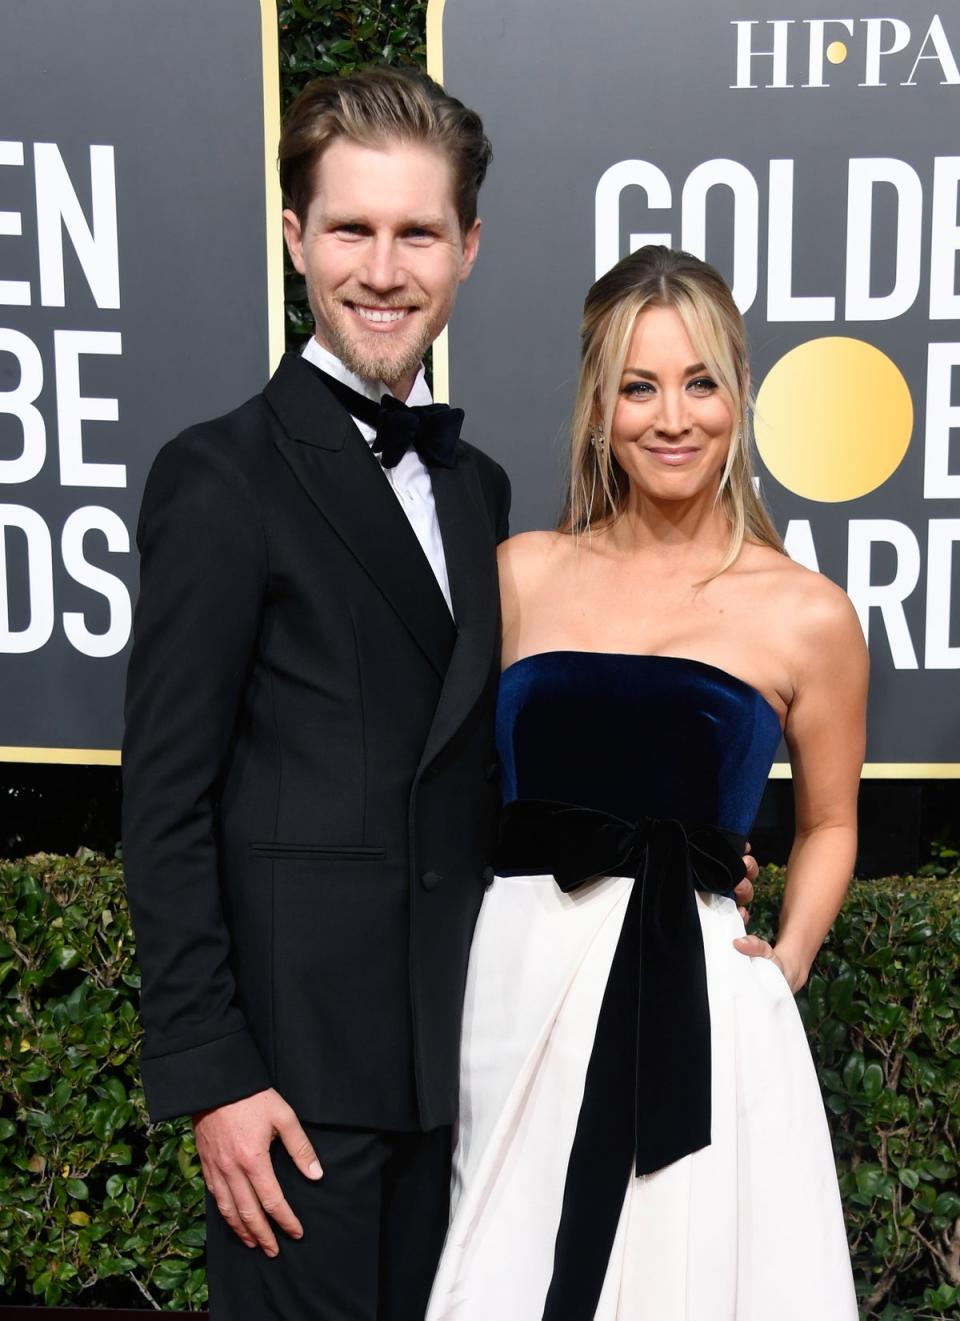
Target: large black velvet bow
[432, 429]
[646, 1098]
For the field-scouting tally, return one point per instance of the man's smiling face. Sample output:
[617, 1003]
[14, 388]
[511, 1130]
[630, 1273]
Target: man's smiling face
[382, 253]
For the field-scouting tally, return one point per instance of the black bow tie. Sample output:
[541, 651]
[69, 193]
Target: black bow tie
[432, 429]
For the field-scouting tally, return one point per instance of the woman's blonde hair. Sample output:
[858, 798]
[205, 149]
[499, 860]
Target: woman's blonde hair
[660, 277]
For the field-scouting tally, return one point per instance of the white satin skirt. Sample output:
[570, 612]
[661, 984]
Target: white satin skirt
[748, 1229]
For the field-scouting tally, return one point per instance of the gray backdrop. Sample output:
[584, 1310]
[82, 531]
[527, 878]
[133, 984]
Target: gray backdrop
[566, 91]
[176, 88]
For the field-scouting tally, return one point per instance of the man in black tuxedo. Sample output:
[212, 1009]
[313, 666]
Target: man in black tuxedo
[310, 792]
[310, 788]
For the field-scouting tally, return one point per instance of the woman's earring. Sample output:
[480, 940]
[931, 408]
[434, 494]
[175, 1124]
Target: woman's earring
[598, 438]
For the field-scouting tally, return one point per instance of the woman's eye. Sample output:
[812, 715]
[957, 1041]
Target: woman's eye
[634, 389]
[703, 384]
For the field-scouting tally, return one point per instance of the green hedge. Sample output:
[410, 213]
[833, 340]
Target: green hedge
[882, 1011]
[96, 1207]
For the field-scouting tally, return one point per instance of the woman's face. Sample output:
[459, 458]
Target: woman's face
[672, 423]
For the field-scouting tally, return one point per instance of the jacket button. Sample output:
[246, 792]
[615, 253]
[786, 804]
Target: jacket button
[430, 880]
[488, 875]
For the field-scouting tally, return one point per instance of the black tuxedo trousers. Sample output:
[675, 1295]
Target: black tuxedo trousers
[310, 790]
[373, 1228]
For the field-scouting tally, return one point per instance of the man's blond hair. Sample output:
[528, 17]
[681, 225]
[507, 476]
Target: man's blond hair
[374, 107]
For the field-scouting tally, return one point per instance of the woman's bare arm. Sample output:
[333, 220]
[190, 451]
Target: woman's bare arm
[825, 733]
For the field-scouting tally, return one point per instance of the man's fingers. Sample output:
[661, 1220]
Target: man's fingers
[228, 1209]
[299, 1146]
[743, 892]
[252, 1215]
[271, 1198]
[233, 1142]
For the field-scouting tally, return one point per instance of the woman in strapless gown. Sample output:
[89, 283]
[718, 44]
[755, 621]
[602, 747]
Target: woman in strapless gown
[641, 1134]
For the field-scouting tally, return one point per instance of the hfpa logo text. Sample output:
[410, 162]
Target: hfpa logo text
[775, 53]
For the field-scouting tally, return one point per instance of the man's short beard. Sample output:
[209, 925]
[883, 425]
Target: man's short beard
[388, 369]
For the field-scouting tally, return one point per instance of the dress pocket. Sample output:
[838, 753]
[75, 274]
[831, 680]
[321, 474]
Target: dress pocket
[316, 852]
[774, 975]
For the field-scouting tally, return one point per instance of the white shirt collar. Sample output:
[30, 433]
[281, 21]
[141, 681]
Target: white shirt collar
[314, 352]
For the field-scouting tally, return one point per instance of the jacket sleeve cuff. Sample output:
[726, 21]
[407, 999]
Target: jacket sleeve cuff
[203, 1077]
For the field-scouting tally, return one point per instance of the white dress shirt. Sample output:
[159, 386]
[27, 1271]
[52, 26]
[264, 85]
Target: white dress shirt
[410, 478]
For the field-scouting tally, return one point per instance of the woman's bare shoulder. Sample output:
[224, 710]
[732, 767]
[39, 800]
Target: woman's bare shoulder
[530, 552]
[807, 606]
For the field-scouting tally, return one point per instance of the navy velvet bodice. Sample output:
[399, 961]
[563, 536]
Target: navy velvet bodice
[635, 736]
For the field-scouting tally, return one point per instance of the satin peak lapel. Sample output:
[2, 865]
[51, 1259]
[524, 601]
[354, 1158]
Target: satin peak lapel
[470, 550]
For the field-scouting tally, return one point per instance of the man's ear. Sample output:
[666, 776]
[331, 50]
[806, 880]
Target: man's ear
[471, 246]
[293, 235]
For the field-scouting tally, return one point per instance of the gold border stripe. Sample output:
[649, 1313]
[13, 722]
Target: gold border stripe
[441, 345]
[435, 10]
[274, 202]
[441, 369]
[66, 756]
[890, 770]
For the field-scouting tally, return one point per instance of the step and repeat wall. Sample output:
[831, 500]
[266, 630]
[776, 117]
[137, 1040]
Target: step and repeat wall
[140, 291]
[815, 161]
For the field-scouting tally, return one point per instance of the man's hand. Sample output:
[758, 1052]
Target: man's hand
[233, 1143]
[743, 890]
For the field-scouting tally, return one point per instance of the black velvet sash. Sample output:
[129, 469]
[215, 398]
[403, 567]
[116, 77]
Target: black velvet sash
[646, 1100]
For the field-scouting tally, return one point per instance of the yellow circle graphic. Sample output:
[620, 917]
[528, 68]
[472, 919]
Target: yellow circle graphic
[836, 52]
[834, 419]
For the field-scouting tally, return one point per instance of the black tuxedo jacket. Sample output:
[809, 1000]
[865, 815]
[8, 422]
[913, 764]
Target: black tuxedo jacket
[309, 770]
